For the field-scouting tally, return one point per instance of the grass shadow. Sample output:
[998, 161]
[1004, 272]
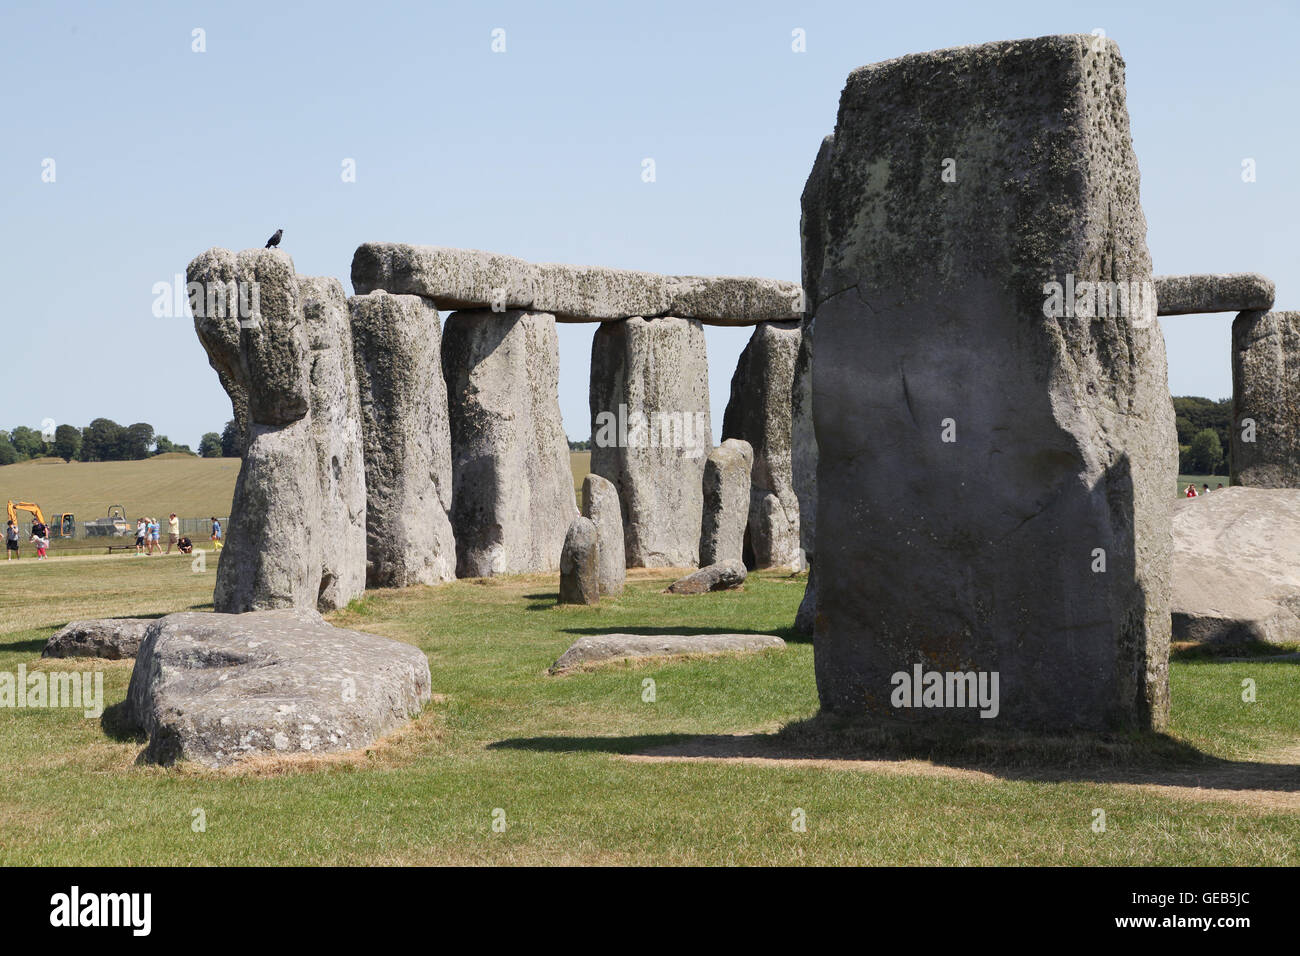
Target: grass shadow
[116, 724]
[1249, 650]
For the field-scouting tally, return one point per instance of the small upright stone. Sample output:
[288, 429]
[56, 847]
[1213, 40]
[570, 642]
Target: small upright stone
[1266, 400]
[726, 502]
[579, 564]
[600, 504]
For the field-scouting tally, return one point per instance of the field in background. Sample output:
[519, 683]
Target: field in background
[580, 465]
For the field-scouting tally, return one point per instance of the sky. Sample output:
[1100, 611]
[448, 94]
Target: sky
[160, 152]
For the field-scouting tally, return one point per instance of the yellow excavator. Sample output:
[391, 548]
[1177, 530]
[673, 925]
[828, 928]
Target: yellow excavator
[63, 526]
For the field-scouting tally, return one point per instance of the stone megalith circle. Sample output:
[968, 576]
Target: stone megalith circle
[980, 449]
[600, 504]
[759, 412]
[1266, 399]
[726, 502]
[651, 430]
[580, 564]
[512, 487]
[396, 341]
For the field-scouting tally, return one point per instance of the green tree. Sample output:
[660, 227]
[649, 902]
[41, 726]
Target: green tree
[8, 453]
[102, 440]
[230, 440]
[27, 441]
[67, 441]
[1206, 451]
[139, 439]
[162, 445]
[210, 445]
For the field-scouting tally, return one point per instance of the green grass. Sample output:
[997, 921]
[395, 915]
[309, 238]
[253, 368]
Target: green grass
[550, 752]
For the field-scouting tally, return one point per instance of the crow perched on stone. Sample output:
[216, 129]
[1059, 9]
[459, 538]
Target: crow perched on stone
[275, 240]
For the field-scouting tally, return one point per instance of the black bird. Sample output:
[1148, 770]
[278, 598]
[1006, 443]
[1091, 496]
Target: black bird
[275, 240]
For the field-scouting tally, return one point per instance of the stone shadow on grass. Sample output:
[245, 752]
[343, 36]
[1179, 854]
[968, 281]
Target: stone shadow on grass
[827, 741]
[116, 725]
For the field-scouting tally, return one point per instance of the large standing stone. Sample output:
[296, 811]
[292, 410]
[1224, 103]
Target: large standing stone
[1266, 399]
[1237, 566]
[980, 553]
[600, 504]
[248, 315]
[650, 431]
[214, 688]
[336, 428]
[580, 564]
[407, 440]
[760, 413]
[726, 502]
[512, 486]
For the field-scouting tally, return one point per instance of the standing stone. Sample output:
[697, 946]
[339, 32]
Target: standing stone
[580, 564]
[979, 450]
[760, 413]
[336, 429]
[248, 315]
[600, 504]
[726, 502]
[512, 498]
[407, 440]
[650, 431]
[1266, 392]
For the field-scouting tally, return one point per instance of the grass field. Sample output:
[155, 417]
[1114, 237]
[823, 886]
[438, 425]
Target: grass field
[587, 771]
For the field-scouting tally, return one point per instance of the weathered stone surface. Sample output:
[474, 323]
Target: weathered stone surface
[600, 504]
[452, 278]
[650, 431]
[1237, 566]
[1266, 392]
[580, 564]
[214, 688]
[733, 300]
[512, 495]
[812, 223]
[471, 279]
[726, 502]
[407, 440]
[113, 638]
[805, 619]
[587, 293]
[336, 428]
[1228, 292]
[723, 576]
[978, 553]
[265, 352]
[597, 648]
[803, 441]
[272, 556]
[759, 412]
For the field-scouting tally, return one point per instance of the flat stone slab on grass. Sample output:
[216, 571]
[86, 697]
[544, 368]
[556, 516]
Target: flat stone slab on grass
[1228, 292]
[1236, 571]
[113, 638]
[214, 688]
[608, 647]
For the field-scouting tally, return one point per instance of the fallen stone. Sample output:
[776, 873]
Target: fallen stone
[651, 430]
[114, 638]
[579, 564]
[336, 429]
[600, 504]
[608, 647]
[979, 551]
[726, 502]
[759, 412]
[406, 439]
[723, 576]
[512, 488]
[214, 688]
[1229, 292]
[1237, 566]
[1266, 400]
[452, 278]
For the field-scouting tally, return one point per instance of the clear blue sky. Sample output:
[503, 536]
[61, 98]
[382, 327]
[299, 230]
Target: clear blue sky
[161, 152]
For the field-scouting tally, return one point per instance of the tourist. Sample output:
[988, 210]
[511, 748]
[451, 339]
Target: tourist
[11, 542]
[1205, 488]
[1191, 491]
[216, 534]
[155, 532]
[173, 531]
[1220, 486]
[41, 541]
[140, 529]
[184, 545]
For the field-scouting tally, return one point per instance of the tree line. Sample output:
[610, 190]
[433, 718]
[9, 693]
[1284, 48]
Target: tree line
[1204, 429]
[105, 440]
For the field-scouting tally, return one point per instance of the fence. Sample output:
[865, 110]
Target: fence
[197, 529]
